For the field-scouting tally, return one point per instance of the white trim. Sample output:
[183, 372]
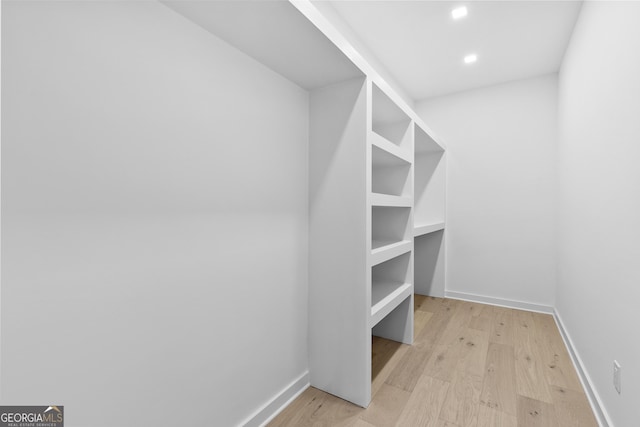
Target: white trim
[520, 305]
[269, 411]
[599, 410]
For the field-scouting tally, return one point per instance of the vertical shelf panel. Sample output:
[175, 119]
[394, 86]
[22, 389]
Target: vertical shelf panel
[429, 252]
[339, 242]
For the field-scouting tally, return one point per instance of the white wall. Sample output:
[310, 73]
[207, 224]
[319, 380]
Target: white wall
[599, 221]
[154, 223]
[500, 188]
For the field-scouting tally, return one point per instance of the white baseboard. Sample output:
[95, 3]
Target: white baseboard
[519, 305]
[269, 411]
[594, 399]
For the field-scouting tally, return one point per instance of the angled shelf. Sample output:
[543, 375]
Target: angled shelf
[422, 229]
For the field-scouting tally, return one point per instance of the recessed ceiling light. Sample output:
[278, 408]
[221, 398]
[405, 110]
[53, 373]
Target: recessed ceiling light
[470, 59]
[459, 12]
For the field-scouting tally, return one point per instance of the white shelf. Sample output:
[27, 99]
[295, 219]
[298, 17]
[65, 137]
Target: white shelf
[383, 250]
[385, 297]
[422, 229]
[389, 200]
[384, 144]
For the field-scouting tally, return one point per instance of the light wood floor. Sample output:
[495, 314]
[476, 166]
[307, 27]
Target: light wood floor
[471, 365]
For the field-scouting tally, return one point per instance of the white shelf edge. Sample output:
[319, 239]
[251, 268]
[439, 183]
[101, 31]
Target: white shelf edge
[422, 229]
[398, 293]
[391, 148]
[378, 199]
[392, 250]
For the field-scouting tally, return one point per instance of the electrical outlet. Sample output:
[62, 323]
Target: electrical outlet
[616, 375]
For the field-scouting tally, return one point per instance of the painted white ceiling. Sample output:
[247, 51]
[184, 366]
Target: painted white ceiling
[423, 47]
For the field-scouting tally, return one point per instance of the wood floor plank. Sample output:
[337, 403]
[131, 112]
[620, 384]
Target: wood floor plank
[572, 408]
[426, 303]
[423, 407]
[449, 351]
[530, 378]
[474, 356]
[418, 300]
[502, 326]
[386, 406]
[534, 413]
[438, 322]
[556, 362]
[459, 320]
[467, 351]
[442, 363]
[386, 355]
[499, 385]
[462, 402]
[482, 320]
[420, 320]
[315, 408]
[406, 374]
[489, 417]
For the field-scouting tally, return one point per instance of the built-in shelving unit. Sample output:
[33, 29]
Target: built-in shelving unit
[391, 260]
[375, 183]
